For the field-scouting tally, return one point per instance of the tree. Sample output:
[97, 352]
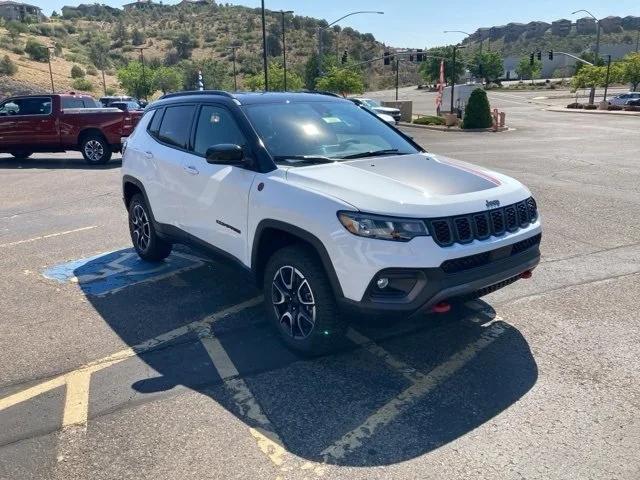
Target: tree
[136, 81]
[7, 66]
[120, 34]
[184, 43]
[631, 70]
[215, 74]
[36, 50]
[167, 79]
[274, 48]
[344, 81]
[77, 72]
[590, 76]
[276, 79]
[487, 65]
[528, 71]
[99, 52]
[137, 37]
[477, 114]
[430, 68]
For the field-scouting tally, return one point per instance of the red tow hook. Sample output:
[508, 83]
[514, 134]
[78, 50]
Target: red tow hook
[442, 307]
[527, 274]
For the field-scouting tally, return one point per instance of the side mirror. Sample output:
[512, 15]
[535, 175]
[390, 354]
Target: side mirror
[225, 154]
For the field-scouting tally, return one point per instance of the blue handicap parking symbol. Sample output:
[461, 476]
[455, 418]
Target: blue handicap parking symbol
[113, 271]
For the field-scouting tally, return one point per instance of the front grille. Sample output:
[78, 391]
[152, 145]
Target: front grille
[481, 225]
[461, 264]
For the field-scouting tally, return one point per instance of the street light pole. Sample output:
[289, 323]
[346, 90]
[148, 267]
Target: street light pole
[322, 29]
[50, 70]
[592, 94]
[481, 42]
[264, 50]
[233, 58]
[144, 78]
[284, 47]
[397, 76]
[606, 83]
[453, 73]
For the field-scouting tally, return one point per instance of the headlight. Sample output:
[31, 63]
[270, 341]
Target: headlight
[382, 228]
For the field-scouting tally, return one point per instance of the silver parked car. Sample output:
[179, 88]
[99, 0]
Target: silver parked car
[624, 98]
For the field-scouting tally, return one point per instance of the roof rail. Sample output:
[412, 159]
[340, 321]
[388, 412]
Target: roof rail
[323, 92]
[197, 92]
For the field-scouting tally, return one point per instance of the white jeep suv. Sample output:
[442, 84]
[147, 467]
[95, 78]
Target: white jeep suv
[329, 207]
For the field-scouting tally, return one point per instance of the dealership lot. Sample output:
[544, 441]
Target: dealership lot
[112, 368]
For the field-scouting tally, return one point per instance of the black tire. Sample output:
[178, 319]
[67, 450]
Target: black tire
[21, 155]
[143, 234]
[326, 332]
[95, 149]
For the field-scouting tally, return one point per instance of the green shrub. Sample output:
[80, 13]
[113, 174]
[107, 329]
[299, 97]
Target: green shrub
[429, 120]
[615, 107]
[91, 70]
[77, 72]
[478, 112]
[590, 107]
[7, 67]
[82, 84]
[17, 49]
[575, 105]
[36, 50]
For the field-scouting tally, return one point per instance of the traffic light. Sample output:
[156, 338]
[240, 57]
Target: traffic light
[387, 58]
[419, 55]
[345, 56]
[540, 56]
[531, 58]
[550, 54]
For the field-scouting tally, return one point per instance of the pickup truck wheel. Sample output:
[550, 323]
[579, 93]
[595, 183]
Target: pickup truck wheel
[143, 234]
[300, 302]
[95, 150]
[21, 155]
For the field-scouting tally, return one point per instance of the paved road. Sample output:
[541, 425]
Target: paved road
[113, 369]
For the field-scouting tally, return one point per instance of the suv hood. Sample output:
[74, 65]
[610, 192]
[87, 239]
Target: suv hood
[387, 109]
[417, 185]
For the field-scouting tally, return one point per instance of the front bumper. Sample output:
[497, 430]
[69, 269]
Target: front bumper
[434, 285]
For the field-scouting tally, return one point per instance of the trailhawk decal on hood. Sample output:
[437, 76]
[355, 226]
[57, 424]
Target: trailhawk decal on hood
[429, 173]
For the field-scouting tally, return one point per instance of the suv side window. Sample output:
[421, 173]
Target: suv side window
[176, 125]
[216, 125]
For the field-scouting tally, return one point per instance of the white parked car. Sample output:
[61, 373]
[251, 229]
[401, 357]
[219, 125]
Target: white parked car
[377, 107]
[331, 209]
[624, 98]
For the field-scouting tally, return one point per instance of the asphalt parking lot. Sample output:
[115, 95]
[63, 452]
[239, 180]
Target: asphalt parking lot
[111, 368]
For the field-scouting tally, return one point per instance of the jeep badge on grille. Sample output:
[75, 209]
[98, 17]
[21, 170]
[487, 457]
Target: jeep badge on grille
[493, 203]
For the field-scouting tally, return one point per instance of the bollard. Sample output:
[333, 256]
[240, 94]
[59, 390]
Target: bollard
[503, 118]
[494, 127]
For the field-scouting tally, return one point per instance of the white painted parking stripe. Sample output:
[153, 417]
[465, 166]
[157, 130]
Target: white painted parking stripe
[51, 235]
[354, 439]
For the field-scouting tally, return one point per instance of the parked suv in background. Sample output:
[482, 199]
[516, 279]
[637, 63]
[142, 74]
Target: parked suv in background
[624, 98]
[377, 107]
[328, 206]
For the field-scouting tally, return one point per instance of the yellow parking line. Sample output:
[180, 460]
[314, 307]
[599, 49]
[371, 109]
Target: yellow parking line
[124, 354]
[51, 235]
[391, 410]
[76, 405]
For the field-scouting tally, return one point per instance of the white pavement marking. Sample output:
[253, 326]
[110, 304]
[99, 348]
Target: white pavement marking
[391, 410]
[122, 355]
[51, 235]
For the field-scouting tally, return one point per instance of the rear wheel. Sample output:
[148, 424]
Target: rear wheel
[300, 302]
[95, 149]
[21, 154]
[143, 234]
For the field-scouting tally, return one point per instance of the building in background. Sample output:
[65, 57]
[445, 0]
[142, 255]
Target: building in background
[10, 10]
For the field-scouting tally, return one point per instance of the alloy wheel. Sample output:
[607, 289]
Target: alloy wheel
[94, 150]
[140, 228]
[293, 302]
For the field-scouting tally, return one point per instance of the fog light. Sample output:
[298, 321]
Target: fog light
[382, 283]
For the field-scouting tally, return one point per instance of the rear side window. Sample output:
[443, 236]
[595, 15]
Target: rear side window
[72, 103]
[176, 125]
[154, 124]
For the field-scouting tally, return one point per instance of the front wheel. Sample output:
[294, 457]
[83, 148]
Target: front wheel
[95, 150]
[21, 154]
[300, 302]
[143, 234]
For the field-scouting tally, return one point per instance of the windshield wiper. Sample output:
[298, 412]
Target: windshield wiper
[373, 153]
[303, 159]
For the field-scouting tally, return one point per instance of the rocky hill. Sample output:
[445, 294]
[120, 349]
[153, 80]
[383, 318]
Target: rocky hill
[562, 34]
[197, 32]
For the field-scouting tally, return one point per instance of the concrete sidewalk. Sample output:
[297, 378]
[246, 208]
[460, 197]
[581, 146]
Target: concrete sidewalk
[596, 112]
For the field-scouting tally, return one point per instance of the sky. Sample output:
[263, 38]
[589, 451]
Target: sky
[418, 23]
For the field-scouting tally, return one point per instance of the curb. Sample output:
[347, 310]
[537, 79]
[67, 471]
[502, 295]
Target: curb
[441, 128]
[593, 112]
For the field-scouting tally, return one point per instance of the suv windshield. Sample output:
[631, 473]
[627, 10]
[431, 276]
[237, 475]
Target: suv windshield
[371, 103]
[323, 131]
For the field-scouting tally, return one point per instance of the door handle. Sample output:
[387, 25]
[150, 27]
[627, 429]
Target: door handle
[148, 155]
[191, 169]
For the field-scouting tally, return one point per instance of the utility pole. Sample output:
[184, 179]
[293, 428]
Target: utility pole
[606, 83]
[397, 76]
[233, 58]
[49, 48]
[144, 80]
[284, 47]
[264, 50]
[638, 41]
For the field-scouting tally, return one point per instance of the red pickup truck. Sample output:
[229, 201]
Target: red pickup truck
[56, 123]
